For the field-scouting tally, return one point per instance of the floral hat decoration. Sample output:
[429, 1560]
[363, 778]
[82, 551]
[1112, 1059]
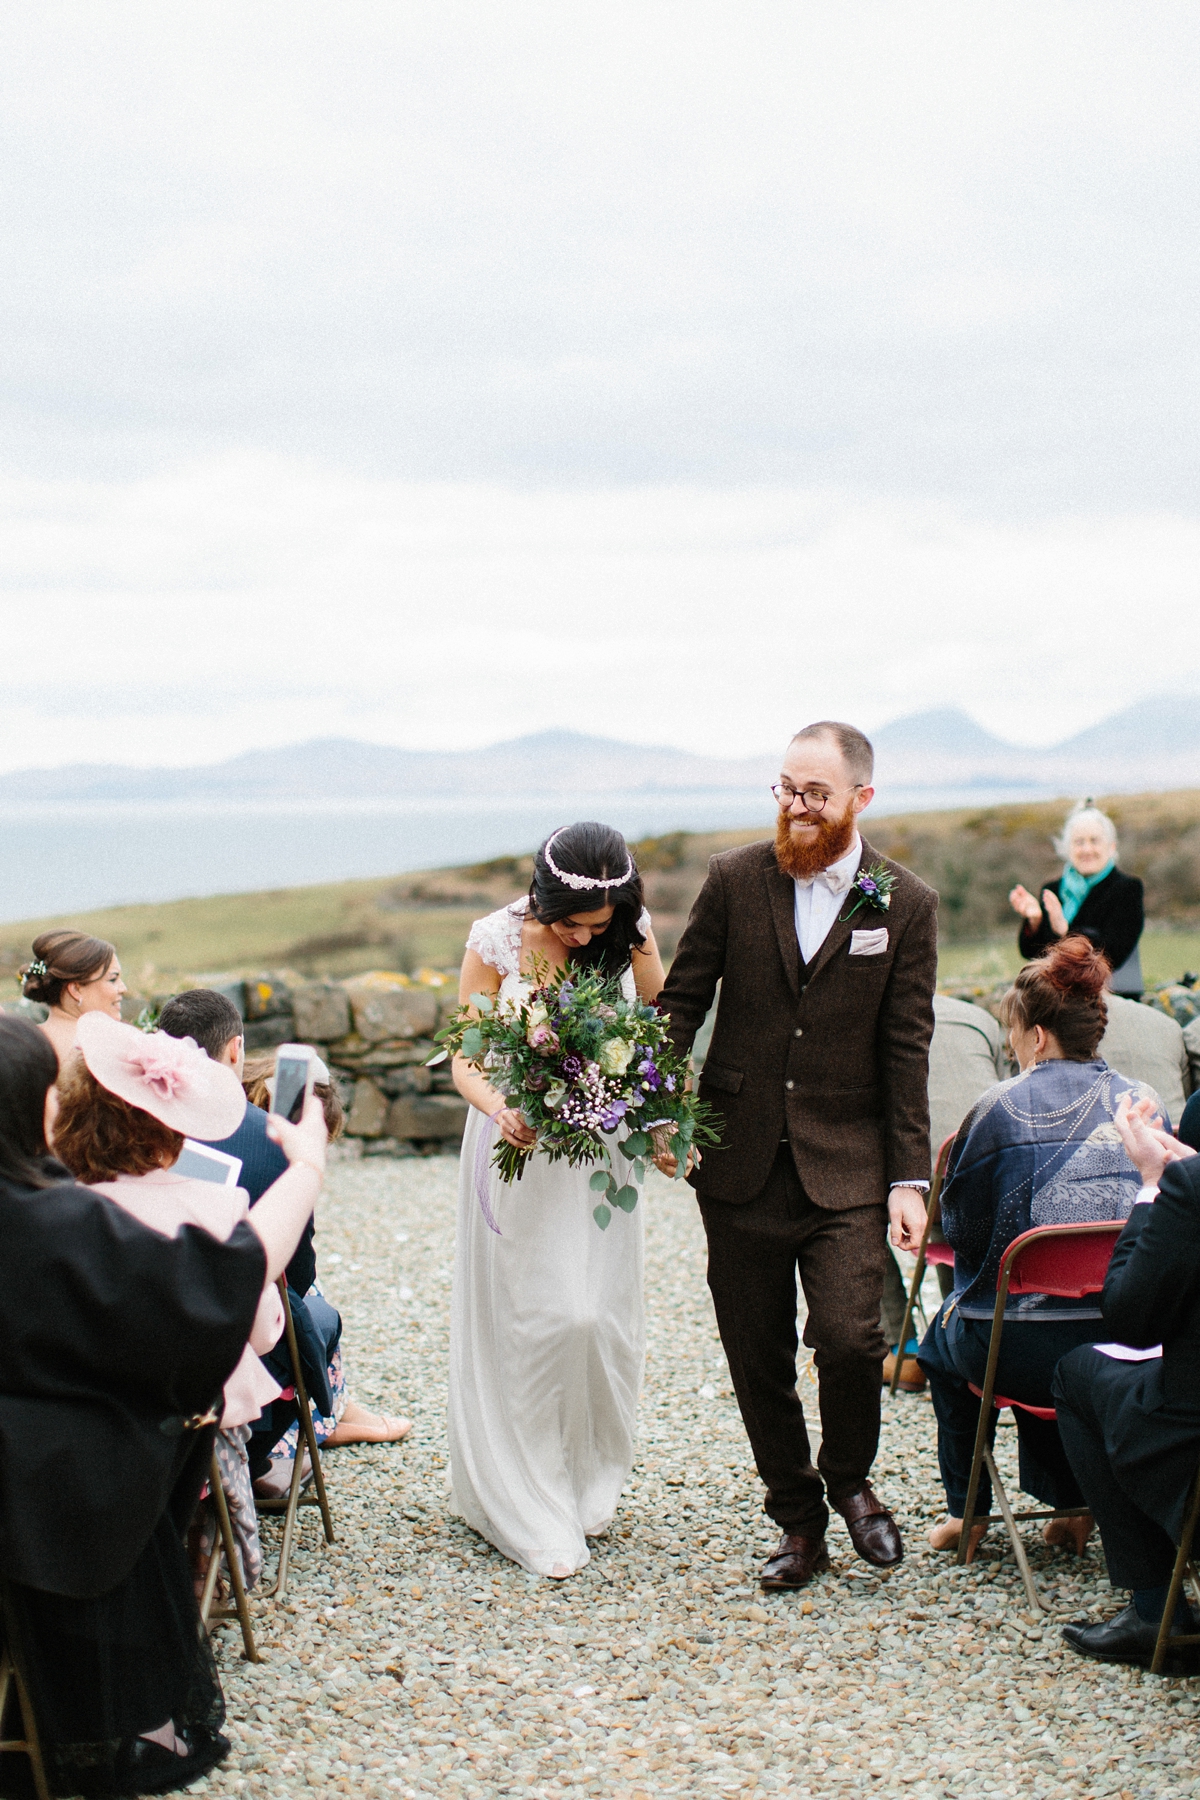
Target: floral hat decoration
[172, 1079]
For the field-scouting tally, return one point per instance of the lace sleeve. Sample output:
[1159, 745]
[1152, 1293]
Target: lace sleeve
[497, 939]
[645, 923]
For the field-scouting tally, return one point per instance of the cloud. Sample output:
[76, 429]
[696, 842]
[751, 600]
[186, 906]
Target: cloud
[911, 248]
[251, 600]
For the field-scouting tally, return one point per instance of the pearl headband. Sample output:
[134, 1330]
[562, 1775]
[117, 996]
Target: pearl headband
[583, 881]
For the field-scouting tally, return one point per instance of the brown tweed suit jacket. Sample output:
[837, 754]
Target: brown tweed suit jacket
[833, 1053]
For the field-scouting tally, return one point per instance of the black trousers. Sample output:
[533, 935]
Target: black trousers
[954, 1353]
[754, 1252]
[1092, 1393]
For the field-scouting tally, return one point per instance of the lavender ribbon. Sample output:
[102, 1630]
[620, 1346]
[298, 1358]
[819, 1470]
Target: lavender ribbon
[487, 1138]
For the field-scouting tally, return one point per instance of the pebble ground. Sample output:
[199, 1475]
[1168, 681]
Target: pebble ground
[410, 1659]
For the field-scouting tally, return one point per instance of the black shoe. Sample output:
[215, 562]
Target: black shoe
[146, 1768]
[1125, 1639]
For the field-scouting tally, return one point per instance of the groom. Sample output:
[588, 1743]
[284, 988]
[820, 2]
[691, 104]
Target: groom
[818, 1069]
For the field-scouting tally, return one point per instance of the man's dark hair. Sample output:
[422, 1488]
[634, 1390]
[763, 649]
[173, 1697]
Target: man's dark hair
[857, 751]
[208, 1018]
[28, 1069]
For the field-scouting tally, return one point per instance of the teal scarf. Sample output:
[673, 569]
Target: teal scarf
[1074, 888]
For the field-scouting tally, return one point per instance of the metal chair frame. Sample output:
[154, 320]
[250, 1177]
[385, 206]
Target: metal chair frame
[933, 1209]
[12, 1676]
[1111, 1228]
[306, 1437]
[1184, 1568]
[227, 1542]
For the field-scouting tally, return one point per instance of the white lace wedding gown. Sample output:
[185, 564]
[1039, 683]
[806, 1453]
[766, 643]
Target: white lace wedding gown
[547, 1339]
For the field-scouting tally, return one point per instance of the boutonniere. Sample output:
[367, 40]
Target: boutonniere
[872, 887]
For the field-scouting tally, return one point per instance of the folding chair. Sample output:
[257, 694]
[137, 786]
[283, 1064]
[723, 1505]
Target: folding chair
[1184, 1566]
[227, 1542]
[1067, 1261]
[12, 1679]
[306, 1436]
[928, 1253]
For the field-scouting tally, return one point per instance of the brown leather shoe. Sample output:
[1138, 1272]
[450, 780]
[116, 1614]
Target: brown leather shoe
[873, 1531]
[795, 1562]
[912, 1375]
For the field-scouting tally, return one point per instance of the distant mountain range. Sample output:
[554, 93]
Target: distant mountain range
[1155, 744]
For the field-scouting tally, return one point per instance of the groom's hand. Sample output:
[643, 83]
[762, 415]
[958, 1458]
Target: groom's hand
[906, 1213]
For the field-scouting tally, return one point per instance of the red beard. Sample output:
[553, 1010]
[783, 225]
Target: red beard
[832, 840]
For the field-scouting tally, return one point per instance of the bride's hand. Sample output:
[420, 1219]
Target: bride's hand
[512, 1128]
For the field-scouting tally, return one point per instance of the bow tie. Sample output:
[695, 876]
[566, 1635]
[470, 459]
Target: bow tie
[836, 880]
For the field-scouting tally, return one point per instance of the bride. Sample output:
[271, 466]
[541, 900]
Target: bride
[547, 1335]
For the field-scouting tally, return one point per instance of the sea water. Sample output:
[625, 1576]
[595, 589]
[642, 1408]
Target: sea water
[63, 859]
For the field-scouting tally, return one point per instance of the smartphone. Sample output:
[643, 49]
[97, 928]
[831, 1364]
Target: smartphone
[295, 1072]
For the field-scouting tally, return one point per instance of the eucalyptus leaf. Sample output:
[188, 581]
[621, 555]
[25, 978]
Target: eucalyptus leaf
[639, 1171]
[600, 1181]
[482, 1003]
[472, 1044]
[602, 1216]
[637, 1143]
[626, 1198]
[438, 1056]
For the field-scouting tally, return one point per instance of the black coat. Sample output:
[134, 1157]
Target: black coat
[1111, 917]
[1152, 1296]
[111, 1336]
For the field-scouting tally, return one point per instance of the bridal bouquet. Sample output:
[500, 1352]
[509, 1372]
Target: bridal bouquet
[580, 1061]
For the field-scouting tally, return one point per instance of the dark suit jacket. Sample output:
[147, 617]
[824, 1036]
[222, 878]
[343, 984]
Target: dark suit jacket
[263, 1162]
[1152, 1296]
[1111, 918]
[834, 1053]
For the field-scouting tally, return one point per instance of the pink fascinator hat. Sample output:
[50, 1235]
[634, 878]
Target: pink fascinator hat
[170, 1078]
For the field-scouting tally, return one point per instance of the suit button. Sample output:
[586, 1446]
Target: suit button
[798, 1032]
[789, 1084]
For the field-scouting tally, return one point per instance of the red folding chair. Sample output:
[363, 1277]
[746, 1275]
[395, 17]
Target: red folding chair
[929, 1253]
[1067, 1261]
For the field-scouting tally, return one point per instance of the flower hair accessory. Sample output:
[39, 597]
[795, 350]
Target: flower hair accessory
[35, 972]
[583, 881]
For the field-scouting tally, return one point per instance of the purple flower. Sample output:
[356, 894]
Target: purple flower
[613, 1116]
[669, 1084]
[572, 1067]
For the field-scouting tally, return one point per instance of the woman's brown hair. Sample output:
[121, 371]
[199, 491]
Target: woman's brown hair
[59, 958]
[100, 1136]
[1063, 992]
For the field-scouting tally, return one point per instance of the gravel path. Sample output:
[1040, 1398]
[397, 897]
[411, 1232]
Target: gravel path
[411, 1659]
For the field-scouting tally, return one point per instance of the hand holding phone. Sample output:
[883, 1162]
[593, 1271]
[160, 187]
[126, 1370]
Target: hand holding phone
[293, 1080]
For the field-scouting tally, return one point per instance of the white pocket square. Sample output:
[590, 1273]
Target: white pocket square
[869, 943]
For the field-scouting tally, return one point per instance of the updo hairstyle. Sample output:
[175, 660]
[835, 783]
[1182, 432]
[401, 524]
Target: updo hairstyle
[1063, 992]
[66, 956]
[100, 1136]
[601, 853]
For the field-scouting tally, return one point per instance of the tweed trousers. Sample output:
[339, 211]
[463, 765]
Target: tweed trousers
[754, 1252]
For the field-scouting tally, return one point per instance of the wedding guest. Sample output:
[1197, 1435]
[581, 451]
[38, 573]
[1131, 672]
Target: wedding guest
[1148, 1046]
[72, 974]
[116, 1340]
[1129, 1411]
[966, 1057]
[120, 1130]
[213, 1022]
[1091, 897]
[826, 957]
[1038, 1149]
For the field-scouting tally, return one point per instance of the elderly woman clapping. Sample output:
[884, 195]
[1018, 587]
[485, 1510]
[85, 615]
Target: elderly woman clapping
[1091, 897]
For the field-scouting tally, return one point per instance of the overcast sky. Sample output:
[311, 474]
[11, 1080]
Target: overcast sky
[675, 371]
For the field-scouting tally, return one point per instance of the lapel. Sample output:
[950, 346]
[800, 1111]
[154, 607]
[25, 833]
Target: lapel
[839, 931]
[782, 893]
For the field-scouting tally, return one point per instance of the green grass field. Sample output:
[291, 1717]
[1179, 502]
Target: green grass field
[407, 922]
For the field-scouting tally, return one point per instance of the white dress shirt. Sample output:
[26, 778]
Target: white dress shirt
[819, 900]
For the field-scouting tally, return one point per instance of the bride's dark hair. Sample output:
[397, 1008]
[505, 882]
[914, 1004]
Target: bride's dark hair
[601, 854]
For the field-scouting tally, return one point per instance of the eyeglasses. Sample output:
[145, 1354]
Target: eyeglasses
[815, 799]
